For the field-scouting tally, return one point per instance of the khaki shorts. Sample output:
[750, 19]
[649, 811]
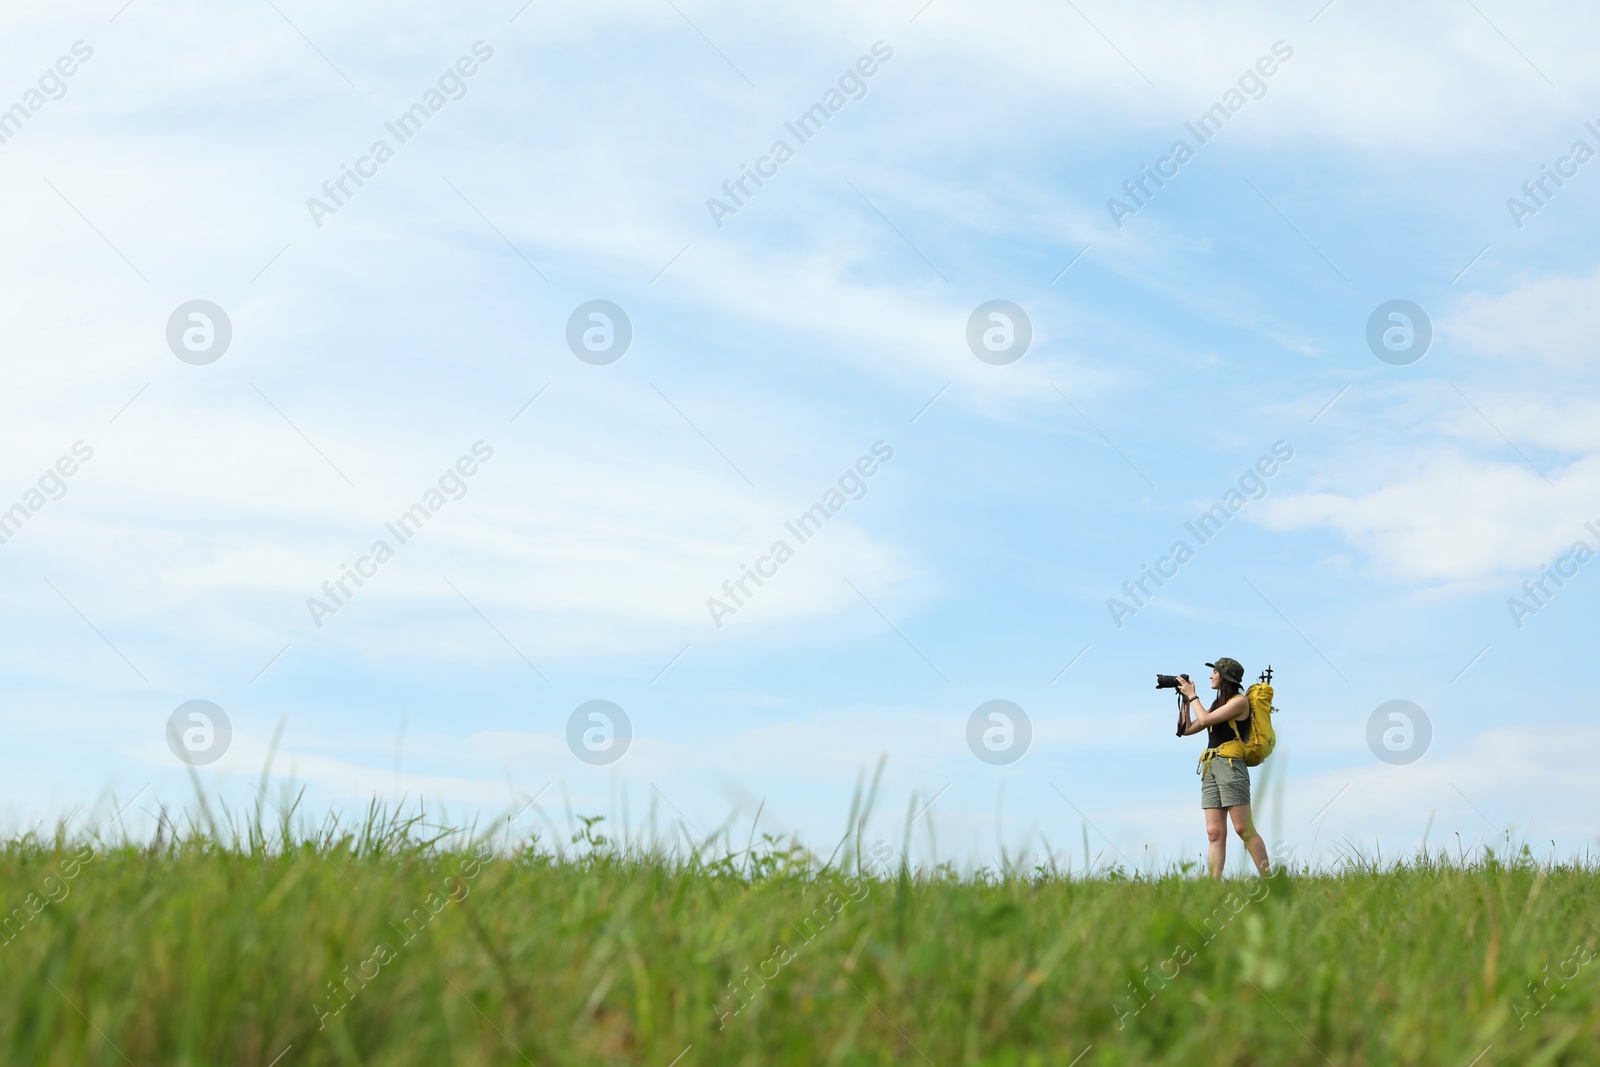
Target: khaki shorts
[1226, 783]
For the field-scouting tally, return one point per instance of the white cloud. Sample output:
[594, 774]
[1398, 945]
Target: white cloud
[1553, 319]
[1455, 518]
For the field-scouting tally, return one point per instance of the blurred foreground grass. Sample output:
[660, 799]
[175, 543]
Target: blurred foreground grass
[388, 943]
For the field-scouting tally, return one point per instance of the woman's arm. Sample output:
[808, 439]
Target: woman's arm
[1236, 708]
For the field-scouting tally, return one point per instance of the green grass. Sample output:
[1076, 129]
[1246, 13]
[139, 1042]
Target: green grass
[226, 943]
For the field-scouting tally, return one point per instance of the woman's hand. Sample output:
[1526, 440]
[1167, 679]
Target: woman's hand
[1186, 687]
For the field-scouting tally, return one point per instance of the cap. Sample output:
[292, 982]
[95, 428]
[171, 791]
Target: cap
[1230, 669]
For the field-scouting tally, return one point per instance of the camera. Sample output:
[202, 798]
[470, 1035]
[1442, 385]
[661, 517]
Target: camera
[1169, 681]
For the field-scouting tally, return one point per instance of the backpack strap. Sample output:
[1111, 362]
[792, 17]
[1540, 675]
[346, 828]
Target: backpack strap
[1210, 753]
[1249, 712]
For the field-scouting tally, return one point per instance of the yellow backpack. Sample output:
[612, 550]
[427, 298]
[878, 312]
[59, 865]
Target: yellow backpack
[1263, 738]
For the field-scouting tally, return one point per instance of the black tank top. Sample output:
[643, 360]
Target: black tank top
[1223, 731]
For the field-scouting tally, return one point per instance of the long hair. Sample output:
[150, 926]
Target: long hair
[1226, 691]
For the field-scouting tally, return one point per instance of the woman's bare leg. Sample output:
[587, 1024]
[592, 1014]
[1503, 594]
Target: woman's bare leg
[1252, 840]
[1216, 840]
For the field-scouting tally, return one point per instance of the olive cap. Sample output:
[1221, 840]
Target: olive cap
[1230, 669]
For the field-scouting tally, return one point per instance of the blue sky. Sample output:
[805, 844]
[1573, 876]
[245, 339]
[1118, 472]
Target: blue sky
[768, 354]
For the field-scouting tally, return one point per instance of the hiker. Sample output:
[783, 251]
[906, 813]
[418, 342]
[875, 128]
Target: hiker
[1224, 778]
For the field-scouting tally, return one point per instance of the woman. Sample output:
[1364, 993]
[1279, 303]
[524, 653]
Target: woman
[1224, 778]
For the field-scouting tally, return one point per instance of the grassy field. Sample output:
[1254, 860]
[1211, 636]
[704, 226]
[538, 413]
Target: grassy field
[390, 944]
